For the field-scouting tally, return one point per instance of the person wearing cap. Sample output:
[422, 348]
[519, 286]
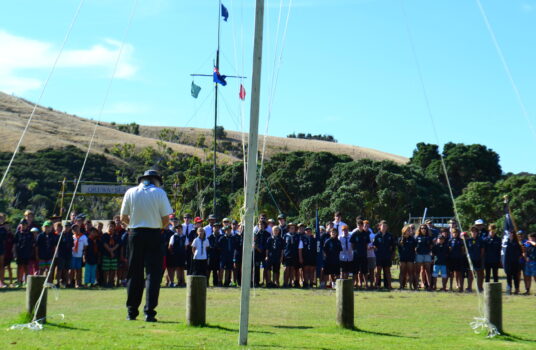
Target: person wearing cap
[290, 257]
[45, 246]
[210, 227]
[24, 243]
[282, 223]
[146, 210]
[226, 244]
[308, 258]
[176, 260]
[65, 255]
[384, 244]
[481, 227]
[191, 235]
[274, 254]
[259, 245]
[214, 256]
[440, 251]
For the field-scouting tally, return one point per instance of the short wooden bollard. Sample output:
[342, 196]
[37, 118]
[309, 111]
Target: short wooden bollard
[345, 303]
[196, 300]
[493, 304]
[34, 287]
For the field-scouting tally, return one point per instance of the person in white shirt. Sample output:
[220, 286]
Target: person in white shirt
[208, 228]
[187, 226]
[338, 223]
[145, 209]
[346, 256]
[371, 256]
[80, 243]
[200, 255]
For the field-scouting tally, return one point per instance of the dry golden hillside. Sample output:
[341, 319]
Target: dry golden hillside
[50, 128]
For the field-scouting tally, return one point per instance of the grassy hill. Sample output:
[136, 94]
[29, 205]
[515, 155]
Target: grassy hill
[51, 128]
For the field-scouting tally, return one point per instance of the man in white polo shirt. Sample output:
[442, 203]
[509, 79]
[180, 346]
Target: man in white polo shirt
[146, 211]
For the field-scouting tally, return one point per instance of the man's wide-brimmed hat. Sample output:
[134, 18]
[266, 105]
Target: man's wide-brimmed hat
[150, 174]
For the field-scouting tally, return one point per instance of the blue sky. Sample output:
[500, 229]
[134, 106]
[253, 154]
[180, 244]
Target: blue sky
[346, 68]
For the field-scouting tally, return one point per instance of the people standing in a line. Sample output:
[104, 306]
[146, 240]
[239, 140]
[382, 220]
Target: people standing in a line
[146, 210]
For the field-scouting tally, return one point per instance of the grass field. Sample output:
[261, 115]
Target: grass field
[280, 319]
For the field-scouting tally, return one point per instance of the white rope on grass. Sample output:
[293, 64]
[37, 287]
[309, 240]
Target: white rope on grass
[32, 324]
[506, 68]
[481, 322]
[52, 70]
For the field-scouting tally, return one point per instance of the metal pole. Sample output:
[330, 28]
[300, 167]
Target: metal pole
[62, 196]
[216, 112]
[251, 174]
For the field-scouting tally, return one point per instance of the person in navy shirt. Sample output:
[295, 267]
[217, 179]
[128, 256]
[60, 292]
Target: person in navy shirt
[214, 255]
[360, 241]
[475, 249]
[440, 251]
[177, 246]
[259, 246]
[423, 258]
[512, 267]
[492, 253]
[384, 244]
[406, 255]
[332, 249]
[24, 249]
[91, 258]
[274, 255]
[530, 258]
[290, 256]
[45, 247]
[65, 255]
[457, 258]
[227, 245]
[3, 252]
[308, 257]
[237, 257]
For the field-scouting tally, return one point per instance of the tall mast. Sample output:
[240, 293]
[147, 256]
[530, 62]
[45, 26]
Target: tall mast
[251, 179]
[216, 113]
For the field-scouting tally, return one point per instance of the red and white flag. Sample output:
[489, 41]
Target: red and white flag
[242, 93]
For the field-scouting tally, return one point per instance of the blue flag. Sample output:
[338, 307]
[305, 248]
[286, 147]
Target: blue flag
[219, 79]
[224, 13]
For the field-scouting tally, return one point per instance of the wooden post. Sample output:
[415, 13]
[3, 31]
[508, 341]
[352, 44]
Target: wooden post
[33, 291]
[345, 303]
[493, 304]
[196, 300]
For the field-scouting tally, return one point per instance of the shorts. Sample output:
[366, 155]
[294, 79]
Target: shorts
[332, 268]
[109, 264]
[440, 270]
[361, 265]
[371, 262]
[76, 263]
[273, 266]
[530, 268]
[458, 265]
[176, 261]
[45, 263]
[423, 258]
[477, 265]
[384, 262]
[226, 264]
[63, 264]
[289, 261]
[309, 261]
[347, 266]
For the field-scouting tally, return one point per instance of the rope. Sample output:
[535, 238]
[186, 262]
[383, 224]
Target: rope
[480, 322]
[52, 70]
[506, 68]
[38, 304]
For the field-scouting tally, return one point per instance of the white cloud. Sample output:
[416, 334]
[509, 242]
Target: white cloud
[19, 53]
[526, 7]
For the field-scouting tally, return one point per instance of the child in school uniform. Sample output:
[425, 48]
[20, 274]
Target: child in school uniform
[91, 256]
[110, 243]
[457, 257]
[226, 244]
[259, 245]
[308, 258]
[440, 251]
[332, 249]
[290, 256]
[274, 254]
[200, 246]
[237, 256]
[45, 247]
[24, 249]
[214, 256]
[65, 256]
[176, 261]
[476, 254]
[530, 258]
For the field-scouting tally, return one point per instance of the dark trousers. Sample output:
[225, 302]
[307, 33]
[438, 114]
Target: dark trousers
[145, 253]
[512, 275]
[492, 267]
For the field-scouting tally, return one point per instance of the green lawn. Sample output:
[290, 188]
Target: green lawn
[284, 319]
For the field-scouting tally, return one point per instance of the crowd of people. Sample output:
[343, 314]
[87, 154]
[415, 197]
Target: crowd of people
[429, 258]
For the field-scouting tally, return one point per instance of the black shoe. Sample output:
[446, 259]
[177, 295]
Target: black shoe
[150, 319]
[131, 318]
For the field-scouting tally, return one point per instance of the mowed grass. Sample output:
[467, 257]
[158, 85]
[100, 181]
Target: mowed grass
[280, 319]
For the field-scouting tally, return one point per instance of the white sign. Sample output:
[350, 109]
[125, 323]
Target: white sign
[105, 189]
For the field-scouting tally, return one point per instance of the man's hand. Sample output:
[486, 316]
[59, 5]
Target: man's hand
[165, 221]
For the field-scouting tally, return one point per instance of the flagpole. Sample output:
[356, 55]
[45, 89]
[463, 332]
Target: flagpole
[216, 114]
[251, 179]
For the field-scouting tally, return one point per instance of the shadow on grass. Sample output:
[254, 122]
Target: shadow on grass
[65, 326]
[359, 330]
[289, 347]
[226, 329]
[510, 337]
[293, 327]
